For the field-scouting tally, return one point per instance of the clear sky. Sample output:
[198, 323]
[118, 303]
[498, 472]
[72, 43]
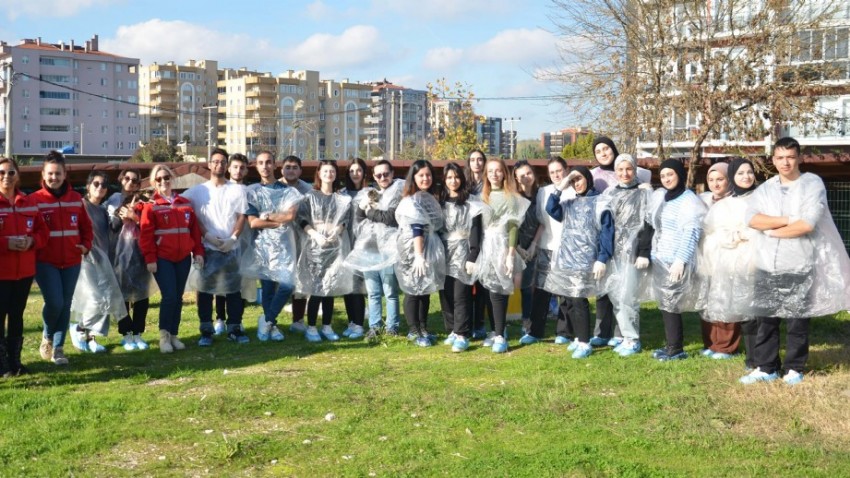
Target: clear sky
[495, 46]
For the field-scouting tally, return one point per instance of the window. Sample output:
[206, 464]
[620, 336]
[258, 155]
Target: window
[27, 144]
[118, 68]
[55, 78]
[119, 114]
[106, 113]
[53, 95]
[102, 66]
[26, 127]
[336, 93]
[104, 129]
[336, 131]
[55, 128]
[104, 145]
[25, 93]
[55, 111]
[52, 144]
[54, 61]
[103, 82]
[25, 60]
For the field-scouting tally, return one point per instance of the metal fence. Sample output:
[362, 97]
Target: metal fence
[838, 197]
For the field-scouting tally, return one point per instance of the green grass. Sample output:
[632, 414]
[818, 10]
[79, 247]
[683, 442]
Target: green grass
[260, 410]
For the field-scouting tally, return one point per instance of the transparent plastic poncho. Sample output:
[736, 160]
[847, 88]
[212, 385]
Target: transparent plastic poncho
[624, 284]
[682, 295]
[422, 209]
[271, 255]
[571, 270]
[97, 294]
[351, 230]
[134, 280]
[808, 276]
[375, 248]
[725, 262]
[502, 211]
[220, 274]
[458, 224]
[320, 271]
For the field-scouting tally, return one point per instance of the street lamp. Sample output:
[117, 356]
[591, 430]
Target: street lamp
[209, 129]
[511, 136]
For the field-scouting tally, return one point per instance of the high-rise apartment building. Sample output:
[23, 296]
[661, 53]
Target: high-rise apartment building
[489, 133]
[70, 97]
[398, 119]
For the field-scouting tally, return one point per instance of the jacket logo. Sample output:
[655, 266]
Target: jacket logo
[187, 215]
[47, 218]
[29, 223]
[165, 218]
[73, 219]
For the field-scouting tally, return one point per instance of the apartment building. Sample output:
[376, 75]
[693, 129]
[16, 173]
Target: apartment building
[489, 132]
[398, 119]
[553, 143]
[70, 97]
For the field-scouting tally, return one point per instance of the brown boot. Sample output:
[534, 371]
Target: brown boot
[46, 349]
[165, 342]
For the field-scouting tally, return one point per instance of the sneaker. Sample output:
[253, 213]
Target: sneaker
[658, 353]
[298, 327]
[312, 335]
[792, 377]
[628, 347]
[356, 332]
[598, 342]
[165, 342]
[460, 344]
[391, 332]
[450, 340]
[263, 328]
[219, 327]
[140, 342]
[582, 350]
[176, 344]
[78, 339]
[95, 347]
[500, 345]
[46, 349]
[528, 339]
[347, 332]
[238, 336]
[721, 356]
[129, 342]
[615, 342]
[329, 334]
[479, 334]
[275, 334]
[668, 355]
[488, 341]
[561, 340]
[372, 336]
[59, 356]
[573, 345]
[412, 336]
[422, 342]
[706, 353]
[206, 340]
[758, 376]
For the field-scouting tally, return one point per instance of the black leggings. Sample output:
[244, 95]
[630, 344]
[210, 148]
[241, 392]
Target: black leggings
[327, 304]
[673, 331]
[416, 313]
[577, 311]
[455, 299]
[13, 301]
[480, 305]
[499, 305]
[355, 308]
[134, 323]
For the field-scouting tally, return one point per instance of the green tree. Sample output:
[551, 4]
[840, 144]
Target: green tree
[581, 149]
[157, 151]
[452, 120]
[529, 149]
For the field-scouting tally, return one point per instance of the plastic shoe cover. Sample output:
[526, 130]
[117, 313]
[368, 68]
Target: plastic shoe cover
[528, 339]
[628, 348]
[598, 342]
[450, 340]
[129, 342]
[582, 351]
[561, 340]
[706, 353]
[460, 344]
[347, 332]
[615, 342]
[422, 342]
[356, 332]
[758, 376]
[206, 340]
[219, 327]
[488, 342]
[329, 334]
[666, 357]
[312, 335]
[573, 345]
[479, 334]
[298, 327]
[792, 377]
[78, 340]
[140, 343]
[721, 356]
[275, 334]
[500, 345]
[95, 347]
[263, 328]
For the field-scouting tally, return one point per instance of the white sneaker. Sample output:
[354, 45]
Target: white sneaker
[140, 342]
[219, 327]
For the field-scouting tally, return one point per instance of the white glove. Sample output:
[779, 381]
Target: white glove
[214, 240]
[199, 262]
[365, 204]
[419, 265]
[470, 268]
[228, 244]
[677, 271]
[333, 235]
[509, 264]
[598, 270]
[152, 267]
[645, 186]
[641, 263]
[317, 237]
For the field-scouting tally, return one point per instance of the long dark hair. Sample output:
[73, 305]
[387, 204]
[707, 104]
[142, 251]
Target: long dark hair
[462, 192]
[410, 182]
[349, 184]
[468, 170]
[522, 164]
[94, 175]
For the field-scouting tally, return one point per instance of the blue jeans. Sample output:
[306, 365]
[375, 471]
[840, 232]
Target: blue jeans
[171, 279]
[57, 286]
[382, 283]
[274, 297]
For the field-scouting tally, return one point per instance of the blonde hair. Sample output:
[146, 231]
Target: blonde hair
[156, 169]
[508, 184]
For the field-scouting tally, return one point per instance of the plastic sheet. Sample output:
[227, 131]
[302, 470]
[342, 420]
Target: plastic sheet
[375, 248]
[625, 285]
[458, 223]
[97, 295]
[134, 280]
[421, 208]
[320, 271]
[496, 217]
[271, 255]
[220, 274]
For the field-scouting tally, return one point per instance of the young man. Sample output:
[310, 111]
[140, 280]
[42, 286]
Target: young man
[291, 177]
[802, 268]
[220, 207]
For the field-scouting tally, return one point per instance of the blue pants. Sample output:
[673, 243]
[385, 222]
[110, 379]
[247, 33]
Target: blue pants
[382, 283]
[57, 286]
[274, 297]
[171, 279]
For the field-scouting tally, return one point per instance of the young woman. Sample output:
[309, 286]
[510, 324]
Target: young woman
[726, 268]
[323, 216]
[169, 237]
[528, 235]
[475, 171]
[58, 264]
[136, 283]
[22, 233]
[628, 278]
[421, 266]
[499, 267]
[587, 243]
[676, 215]
[97, 294]
[355, 303]
[462, 238]
[480, 297]
[719, 184]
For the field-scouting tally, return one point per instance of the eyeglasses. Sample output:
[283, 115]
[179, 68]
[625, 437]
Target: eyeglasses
[11, 173]
[382, 175]
[98, 184]
[132, 180]
[216, 163]
[162, 178]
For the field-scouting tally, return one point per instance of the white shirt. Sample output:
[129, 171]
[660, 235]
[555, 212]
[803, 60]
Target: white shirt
[217, 207]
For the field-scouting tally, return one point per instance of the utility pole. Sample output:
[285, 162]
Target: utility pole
[8, 68]
[82, 128]
[511, 136]
[401, 122]
[209, 129]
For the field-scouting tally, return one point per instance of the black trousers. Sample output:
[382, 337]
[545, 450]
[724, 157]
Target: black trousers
[455, 299]
[416, 313]
[499, 306]
[13, 301]
[673, 332]
[577, 312]
[481, 307]
[134, 322]
[313, 304]
[298, 308]
[606, 323]
[540, 311]
[234, 308]
[796, 344]
[749, 331]
[355, 308]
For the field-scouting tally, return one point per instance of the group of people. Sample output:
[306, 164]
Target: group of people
[745, 257]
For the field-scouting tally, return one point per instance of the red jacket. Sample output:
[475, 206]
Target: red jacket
[20, 218]
[169, 230]
[69, 226]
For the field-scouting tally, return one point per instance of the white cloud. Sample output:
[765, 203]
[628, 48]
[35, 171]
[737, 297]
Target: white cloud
[359, 45]
[49, 8]
[445, 10]
[521, 45]
[318, 10]
[443, 58]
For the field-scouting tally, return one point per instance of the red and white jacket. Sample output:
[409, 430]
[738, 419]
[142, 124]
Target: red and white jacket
[69, 226]
[20, 217]
[169, 230]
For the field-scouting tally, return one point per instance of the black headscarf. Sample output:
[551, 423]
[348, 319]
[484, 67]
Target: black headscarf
[734, 165]
[587, 177]
[606, 140]
[679, 169]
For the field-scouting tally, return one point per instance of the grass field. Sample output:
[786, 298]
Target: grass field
[392, 409]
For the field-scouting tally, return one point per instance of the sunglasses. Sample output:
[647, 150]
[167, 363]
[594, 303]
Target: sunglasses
[98, 184]
[162, 178]
[132, 180]
[382, 175]
[11, 173]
